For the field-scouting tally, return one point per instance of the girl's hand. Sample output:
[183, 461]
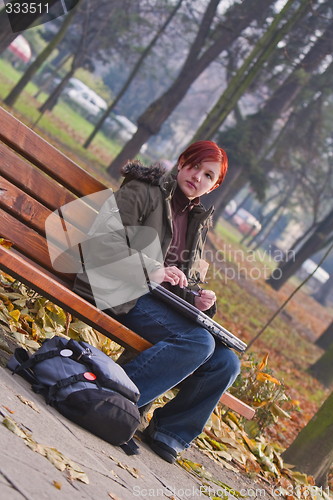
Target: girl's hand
[205, 300]
[171, 274]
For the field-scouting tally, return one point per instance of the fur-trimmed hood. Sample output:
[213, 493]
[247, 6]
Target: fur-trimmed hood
[157, 176]
[136, 170]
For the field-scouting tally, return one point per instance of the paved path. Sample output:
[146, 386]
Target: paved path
[25, 474]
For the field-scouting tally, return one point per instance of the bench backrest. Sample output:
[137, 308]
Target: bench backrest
[35, 180]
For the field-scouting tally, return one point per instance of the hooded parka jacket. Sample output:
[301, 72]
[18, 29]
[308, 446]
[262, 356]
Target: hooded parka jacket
[143, 200]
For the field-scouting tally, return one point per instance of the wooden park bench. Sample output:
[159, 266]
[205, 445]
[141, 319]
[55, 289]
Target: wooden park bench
[36, 179]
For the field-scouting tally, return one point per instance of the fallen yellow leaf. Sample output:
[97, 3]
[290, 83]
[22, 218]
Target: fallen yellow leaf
[28, 403]
[13, 427]
[5, 243]
[262, 377]
[15, 314]
[114, 496]
[263, 362]
[10, 307]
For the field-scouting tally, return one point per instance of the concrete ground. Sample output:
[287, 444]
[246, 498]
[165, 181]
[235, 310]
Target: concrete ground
[25, 474]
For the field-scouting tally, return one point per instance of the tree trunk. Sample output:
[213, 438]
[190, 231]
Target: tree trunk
[246, 74]
[285, 270]
[48, 81]
[50, 101]
[8, 31]
[326, 338]
[132, 75]
[312, 450]
[256, 129]
[239, 16]
[276, 218]
[321, 295]
[322, 369]
[140, 137]
[34, 67]
[81, 51]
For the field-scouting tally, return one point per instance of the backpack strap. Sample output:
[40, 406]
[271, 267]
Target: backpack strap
[38, 357]
[16, 365]
[65, 382]
[130, 448]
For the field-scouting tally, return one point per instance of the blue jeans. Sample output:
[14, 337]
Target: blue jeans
[182, 351]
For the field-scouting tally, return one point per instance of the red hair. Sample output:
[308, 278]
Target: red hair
[205, 150]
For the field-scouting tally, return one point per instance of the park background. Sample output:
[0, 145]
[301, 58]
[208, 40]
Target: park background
[256, 77]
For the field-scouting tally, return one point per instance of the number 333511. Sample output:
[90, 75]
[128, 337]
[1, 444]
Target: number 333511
[27, 8]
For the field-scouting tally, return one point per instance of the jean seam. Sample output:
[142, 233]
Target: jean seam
[172, 435]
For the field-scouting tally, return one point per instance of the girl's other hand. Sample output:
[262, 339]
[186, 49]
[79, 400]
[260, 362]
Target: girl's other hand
[205, 300]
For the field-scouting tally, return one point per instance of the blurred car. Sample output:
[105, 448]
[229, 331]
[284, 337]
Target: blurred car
[87, 102]
[120, 126]
[122, 129]
[75, 83]
[244, 221]
[20, 48]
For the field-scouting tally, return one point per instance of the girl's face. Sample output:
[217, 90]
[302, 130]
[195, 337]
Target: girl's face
[197, 180]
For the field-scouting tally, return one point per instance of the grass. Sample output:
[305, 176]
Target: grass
[244, 313]
[228, 232]
[64, 124]
[8, 72]
[232, 238]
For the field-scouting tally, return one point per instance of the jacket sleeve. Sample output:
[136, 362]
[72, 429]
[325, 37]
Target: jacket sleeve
[117, 243]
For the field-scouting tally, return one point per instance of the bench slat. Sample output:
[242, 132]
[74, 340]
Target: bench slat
[34, 214]
[32, 181]
[30, 243]
[237, 405]
[66, 284]
[43, 189]
[46, 157]
[18, 268]
[22, 206]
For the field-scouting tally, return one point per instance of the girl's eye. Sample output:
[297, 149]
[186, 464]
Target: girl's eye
[209, 176]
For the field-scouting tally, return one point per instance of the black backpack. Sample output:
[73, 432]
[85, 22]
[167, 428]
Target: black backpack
[84, 385]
